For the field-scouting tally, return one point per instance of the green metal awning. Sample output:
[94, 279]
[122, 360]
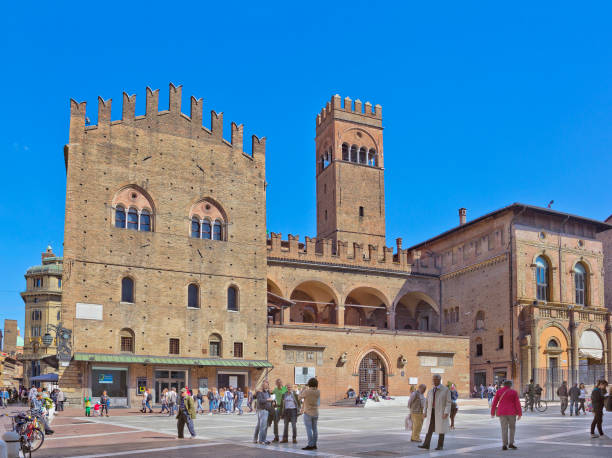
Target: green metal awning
[144, 359]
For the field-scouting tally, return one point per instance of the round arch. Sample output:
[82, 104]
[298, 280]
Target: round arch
[560, 327]
[366, 306]
[125, 196]
[346, 133]
[315, 302]
[273, 287]
[416, 310]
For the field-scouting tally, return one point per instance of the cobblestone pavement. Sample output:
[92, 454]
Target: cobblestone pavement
[343, 432]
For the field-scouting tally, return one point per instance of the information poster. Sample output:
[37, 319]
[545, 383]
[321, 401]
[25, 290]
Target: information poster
[233, 380]
[303, 374]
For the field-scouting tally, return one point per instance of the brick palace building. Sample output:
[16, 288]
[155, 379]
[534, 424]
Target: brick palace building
[170, 278]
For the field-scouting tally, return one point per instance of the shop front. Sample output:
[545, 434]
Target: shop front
[125, 378]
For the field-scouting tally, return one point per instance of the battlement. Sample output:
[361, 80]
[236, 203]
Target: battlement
[171, 121]
[336, 109]
[323, 251]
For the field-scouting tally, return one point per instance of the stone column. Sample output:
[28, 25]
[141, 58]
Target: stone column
[535, 343]
[608, 350]
[340, 316]
[573, 348]
[391, 318]
[286, 315]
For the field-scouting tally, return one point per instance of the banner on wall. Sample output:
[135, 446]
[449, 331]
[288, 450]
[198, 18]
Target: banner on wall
[303, 374]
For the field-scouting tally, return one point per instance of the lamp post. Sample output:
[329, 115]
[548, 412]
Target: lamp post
[63, 339]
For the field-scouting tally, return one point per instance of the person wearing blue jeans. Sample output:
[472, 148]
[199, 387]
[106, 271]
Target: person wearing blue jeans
[311, 398]
[574, 395]
[239, 400]
[263, 402]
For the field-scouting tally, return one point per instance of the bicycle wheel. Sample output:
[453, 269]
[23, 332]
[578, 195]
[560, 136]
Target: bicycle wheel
[35, 439]
[542, 406]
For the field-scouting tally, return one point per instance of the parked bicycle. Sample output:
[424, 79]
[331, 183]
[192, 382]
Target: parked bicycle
[30, 428]
[538, 404]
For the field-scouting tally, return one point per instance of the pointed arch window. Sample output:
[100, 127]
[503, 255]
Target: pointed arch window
[363, 154]
[580, 275]
[542, 279]
[193, 296]
[145, 221]
[127, 290]
[206, 230]
[195, 227]
[120, 217]
[132, 219]
[354, 153]
[217, 232]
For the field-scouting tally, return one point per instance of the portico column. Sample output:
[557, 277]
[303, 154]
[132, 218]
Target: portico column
[573, 349]
[286, 315]
[340, 316]
[535, 343]
[608, 350]
[391, 319]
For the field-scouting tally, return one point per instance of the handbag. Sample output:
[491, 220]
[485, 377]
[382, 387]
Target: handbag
[408, 423]
[499, 402]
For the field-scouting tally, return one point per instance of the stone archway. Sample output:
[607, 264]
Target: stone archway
[372, 372]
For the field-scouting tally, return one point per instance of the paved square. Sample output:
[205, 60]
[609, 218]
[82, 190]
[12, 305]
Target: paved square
[343, 432]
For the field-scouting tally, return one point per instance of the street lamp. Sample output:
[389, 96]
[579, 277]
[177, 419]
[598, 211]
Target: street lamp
[63, 338]
[47, 339]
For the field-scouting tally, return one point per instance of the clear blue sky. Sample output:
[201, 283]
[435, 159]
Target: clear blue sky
[483, 104]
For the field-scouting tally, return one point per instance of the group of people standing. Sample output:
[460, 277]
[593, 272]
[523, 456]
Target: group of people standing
[439, 408]
[286, 403]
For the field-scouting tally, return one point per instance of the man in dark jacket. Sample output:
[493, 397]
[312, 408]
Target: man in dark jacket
[563, 394]
[186, 414]
[574, 395]
[289, 407]
[597, 398]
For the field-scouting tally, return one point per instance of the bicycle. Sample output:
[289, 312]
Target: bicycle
[27, 426]
[538, 404]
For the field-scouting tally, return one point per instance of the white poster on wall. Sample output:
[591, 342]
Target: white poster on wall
[303, 374]
[233, 380]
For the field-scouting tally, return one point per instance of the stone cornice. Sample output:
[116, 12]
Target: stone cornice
[471, 268]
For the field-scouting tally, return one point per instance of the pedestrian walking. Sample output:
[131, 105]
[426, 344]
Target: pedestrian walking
[454, 406]
[186, 414]
[172, 401]
[146, 401]
[262, 404]
[574, 397]
[278, 392]
[164, 401]
[582, 399]
[437, 410]
[563, 396]
[507, 406]
[249, 398]
[289, 408]
[416, 404]
[199, 399]
[104, 403]
[482, 391]
[311, 397]
[210, 396]
[490, 393]
[597, 399]
[239, 400]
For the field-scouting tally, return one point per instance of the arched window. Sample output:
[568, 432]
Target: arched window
[345, 152]
[232, 298]
[132, 219]
[145, 221]
[580, 283]
[363, 153]
[354, 153]
[195, 227]
[127, 290]
[120, 217]
[480, 320]
[127, 340]
[217, 235]
[372, 157]
[193, 296]
[206, 231]
[552, 343]
[542, 279]
[214, 344]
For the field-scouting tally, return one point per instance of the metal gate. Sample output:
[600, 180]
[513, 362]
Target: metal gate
[551, 378]
[371, 373]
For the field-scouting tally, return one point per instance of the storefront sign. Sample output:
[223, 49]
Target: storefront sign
[105, 378]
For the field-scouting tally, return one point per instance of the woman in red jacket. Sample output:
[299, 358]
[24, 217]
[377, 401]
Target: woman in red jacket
[507, 406]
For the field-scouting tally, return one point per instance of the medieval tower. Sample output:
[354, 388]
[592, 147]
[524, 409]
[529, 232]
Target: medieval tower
[350, 173]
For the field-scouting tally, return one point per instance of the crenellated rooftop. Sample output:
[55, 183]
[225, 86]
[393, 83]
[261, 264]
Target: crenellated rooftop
[322, 251]
[335, 108]
[180, 123]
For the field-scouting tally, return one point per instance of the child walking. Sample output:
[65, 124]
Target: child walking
[87, 404]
